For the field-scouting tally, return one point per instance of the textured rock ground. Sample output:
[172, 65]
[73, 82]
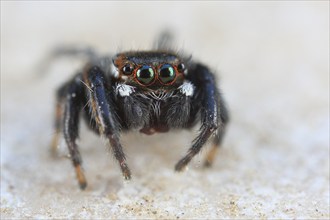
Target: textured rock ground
[272, 60]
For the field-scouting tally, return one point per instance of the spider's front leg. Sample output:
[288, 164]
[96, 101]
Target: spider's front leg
[214, 115]
[103, 112]
[69, 103]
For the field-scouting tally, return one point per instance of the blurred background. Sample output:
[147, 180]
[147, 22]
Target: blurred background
[272, 63]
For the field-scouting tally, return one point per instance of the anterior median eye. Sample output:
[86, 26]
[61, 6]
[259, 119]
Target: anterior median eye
[145, 75]
[166, 73]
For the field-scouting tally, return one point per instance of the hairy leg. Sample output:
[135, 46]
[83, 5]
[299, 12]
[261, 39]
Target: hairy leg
[58, 119]
[213, 113]
[72, 108]
[104, 114]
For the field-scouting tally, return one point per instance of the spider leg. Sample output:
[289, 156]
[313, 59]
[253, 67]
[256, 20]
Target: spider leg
[213, 114]
[215, 147]
[164, 41]
[104, 114]
[223, 115]
[57, 126]
[72, 108]
[59, 109]
[75, 51]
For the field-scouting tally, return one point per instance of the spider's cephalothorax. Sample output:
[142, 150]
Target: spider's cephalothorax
[153, 91]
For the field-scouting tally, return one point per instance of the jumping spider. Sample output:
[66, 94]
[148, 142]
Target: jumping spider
[153, 91]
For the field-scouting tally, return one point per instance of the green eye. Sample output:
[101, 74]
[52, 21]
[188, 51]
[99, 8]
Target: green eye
[166, 73]
[145, 75]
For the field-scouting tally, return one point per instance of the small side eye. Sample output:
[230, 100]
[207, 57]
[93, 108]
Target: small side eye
[127, 69]
[181, 67]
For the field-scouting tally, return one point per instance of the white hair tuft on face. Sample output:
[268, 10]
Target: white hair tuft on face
[187, 88]
[124, 90]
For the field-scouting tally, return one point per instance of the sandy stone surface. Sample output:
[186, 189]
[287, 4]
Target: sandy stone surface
[272, 62]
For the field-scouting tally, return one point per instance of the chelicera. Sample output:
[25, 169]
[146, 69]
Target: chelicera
[150, 91]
